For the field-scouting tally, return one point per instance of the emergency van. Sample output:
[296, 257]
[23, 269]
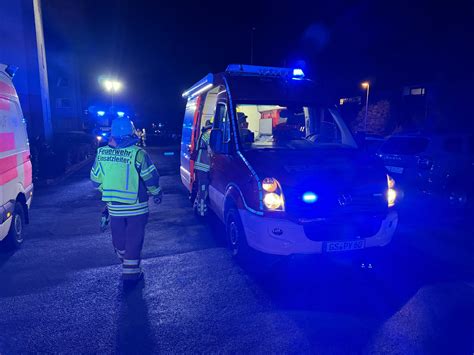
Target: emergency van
[16, 183]
[286, 175]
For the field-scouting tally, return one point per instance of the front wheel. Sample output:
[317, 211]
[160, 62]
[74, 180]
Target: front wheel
[253, 261]
[15, 235]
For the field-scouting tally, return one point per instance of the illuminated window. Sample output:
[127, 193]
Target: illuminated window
[417, 91]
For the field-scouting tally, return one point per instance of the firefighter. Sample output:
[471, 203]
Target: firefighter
[125, 175]
[201, 168]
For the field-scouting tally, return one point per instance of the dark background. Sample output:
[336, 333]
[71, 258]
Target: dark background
[160, 48]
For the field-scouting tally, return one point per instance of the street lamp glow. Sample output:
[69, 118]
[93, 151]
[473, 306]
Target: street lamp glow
[112, 85]
[366, 85]
[116, 86]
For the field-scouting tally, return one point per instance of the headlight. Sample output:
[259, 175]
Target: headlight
[273, 196]
[391, 192]
[272, 201]
[99, 138]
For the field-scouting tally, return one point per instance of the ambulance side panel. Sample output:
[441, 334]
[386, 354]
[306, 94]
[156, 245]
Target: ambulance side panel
[15, 163]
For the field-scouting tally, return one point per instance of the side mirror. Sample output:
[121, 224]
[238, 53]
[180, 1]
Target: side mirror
[215, 141]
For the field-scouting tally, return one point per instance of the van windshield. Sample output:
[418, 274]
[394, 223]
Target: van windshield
[290, 126]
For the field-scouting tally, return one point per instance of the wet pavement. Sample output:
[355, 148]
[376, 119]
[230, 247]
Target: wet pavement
[61, 291]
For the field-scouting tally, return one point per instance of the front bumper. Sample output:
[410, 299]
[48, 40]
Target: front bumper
[291, 237]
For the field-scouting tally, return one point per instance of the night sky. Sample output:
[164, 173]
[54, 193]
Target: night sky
[160, 48]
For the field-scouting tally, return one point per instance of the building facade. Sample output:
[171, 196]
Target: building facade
[22, 44]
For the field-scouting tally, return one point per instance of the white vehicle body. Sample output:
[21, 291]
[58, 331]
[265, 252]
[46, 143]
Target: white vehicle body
[16, 183]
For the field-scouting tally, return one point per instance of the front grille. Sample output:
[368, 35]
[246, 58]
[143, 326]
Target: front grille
[344, 227]
[330, 205]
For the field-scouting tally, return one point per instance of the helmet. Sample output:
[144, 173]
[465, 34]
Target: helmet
[241, 117]
[122, 127]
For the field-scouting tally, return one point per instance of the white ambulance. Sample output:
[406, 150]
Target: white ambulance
[16, 182]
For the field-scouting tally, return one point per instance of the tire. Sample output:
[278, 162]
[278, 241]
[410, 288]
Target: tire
[14, 237]
[256, 263]
[236, 239]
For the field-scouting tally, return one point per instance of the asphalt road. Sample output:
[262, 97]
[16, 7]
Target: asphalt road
[61, 291]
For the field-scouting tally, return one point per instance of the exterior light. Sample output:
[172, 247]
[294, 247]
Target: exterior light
[298, 73]
[120, 113]
[272, 201]
[100, 113]
[391, 192]
[310, 197]
[273, 195]
[116, 86]
[365, 84]
[112, 86]
[269, 185]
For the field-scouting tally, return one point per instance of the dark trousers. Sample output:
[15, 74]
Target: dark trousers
[127, 237]
[203, 183]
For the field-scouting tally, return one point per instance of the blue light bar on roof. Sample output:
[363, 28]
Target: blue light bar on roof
[243, 69]
[298, 73]
[201, 86]
[257, 70]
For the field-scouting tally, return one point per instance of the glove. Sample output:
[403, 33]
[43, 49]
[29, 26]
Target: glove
[157, 199]
[104, 220]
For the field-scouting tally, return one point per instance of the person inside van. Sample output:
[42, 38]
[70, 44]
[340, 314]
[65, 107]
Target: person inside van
[293, 120]
[246, 135]
[201, 168]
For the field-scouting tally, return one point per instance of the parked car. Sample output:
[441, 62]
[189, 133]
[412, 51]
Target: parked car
[286, 175]
[432, 163]
[16, 180]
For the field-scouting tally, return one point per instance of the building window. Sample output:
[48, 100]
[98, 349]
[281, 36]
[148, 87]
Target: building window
[62, 82]
[63, 103]
[350, 100]
[417, 91]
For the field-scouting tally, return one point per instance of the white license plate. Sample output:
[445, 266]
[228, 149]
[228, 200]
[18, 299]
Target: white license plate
[345, 245]
[394, 169]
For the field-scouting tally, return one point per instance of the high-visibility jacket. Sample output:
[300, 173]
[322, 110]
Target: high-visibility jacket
[202, 160]
[124, 175]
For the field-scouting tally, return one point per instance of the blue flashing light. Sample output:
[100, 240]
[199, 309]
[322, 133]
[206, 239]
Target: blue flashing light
[310, 197]
[100, 113]
[120, 113]
[298, 73]
[104, 134]
[243, 69]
